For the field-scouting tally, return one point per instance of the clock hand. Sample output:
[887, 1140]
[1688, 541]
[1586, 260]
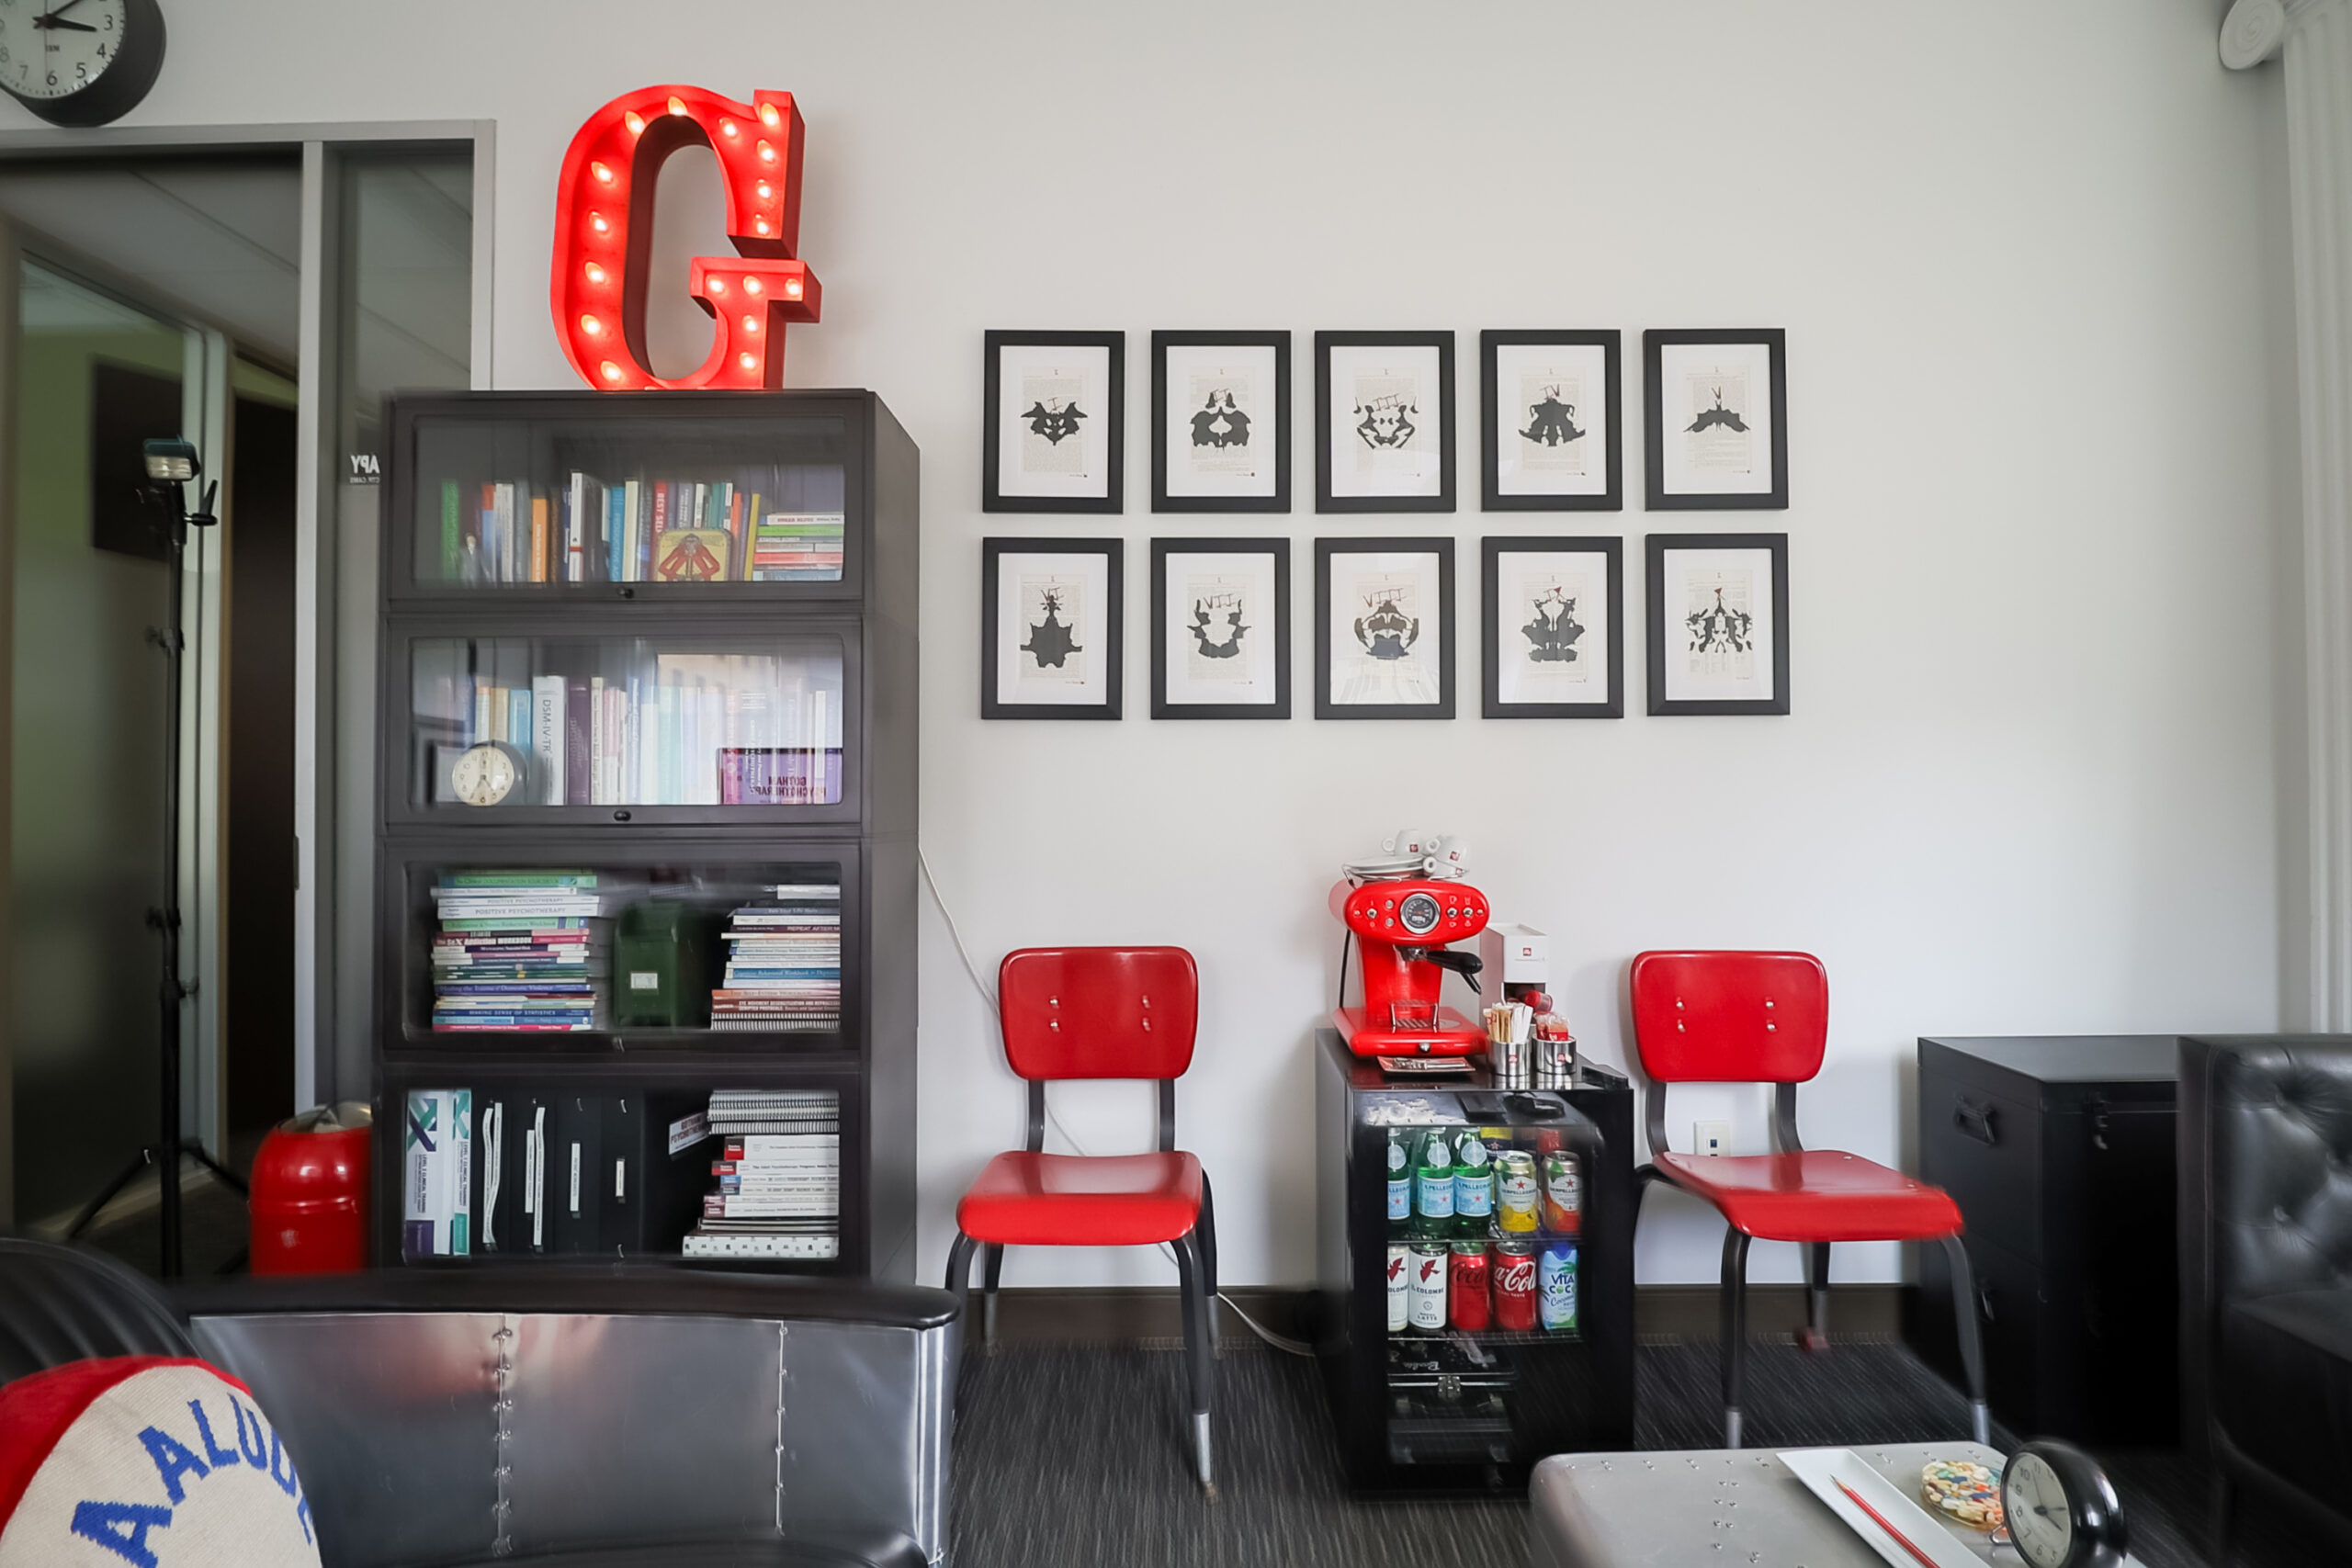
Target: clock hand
[56, 21]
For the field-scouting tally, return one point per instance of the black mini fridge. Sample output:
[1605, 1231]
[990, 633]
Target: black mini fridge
[1453, 1409]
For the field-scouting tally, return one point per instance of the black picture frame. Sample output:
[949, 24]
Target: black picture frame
[992, 498]
[1161, 549]
[1325, 550]
[1491, 629]
[1611, 343]
[1161, 342]
[993, 552]
[1654, 426]
[1325, 342]
[1653, 569]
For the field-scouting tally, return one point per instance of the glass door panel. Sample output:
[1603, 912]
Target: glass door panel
[689, 723]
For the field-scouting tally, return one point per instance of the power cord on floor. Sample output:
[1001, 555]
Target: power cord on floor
[988, 994]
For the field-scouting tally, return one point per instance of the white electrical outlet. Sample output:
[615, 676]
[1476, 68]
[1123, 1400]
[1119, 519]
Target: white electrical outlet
[1711, 1138]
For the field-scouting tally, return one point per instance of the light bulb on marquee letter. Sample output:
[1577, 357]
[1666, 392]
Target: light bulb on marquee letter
[603, 237]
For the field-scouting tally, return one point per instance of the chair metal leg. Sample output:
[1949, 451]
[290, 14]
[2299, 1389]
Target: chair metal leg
[959, 1281]
[1190, 1276]
[1205, 1234]
[1972, 1342]
[2224, 1514]
[991, 1270]
[1815, 1334]
[1734, 1325]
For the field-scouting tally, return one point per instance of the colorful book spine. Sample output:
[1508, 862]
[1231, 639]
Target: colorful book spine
[452, 540]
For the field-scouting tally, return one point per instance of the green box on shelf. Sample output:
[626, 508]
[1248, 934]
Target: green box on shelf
[662, 950]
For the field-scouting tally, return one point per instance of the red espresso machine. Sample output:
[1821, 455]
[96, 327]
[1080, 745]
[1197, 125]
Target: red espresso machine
[1402, 928]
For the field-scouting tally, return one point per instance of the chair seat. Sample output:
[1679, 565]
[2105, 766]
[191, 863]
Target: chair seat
[2298, 1341]
[1818, 1195]
[1026, 1200]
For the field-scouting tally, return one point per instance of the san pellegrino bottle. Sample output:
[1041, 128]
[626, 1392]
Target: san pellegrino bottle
[1433, 1185]
[1400, 1184]
[1474, 1184]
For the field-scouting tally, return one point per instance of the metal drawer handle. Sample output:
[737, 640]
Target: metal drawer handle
[1975, 1121]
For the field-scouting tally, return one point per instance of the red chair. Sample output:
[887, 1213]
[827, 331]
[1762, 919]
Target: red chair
[1100, 1012]
[1764, 1017]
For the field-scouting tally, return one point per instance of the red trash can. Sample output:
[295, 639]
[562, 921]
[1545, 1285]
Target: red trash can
[309, 1192]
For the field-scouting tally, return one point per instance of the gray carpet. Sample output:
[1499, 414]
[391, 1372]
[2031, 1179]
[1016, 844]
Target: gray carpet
[1078, 1456]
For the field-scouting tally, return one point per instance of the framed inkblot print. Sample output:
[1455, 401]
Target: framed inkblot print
[1049, 628]
[1718, 623]
[1553, 643]
[1549, 421]
[1384, 628]
[1054, 423]
[1383, 421]
[1220, 422]
[1220, 629]
[1718, 431]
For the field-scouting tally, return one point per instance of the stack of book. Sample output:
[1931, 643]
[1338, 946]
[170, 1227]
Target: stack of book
[784, 963]
[519, 949]
[797, 546]
[777, 1182]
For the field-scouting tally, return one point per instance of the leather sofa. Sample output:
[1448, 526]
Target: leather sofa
[607, 1413]
[2265, 1270]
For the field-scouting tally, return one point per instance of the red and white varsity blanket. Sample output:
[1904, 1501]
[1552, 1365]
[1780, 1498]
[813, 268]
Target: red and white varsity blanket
[150, 1461]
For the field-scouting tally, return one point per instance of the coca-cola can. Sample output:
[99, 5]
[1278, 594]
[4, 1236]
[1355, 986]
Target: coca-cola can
[1425, 1301]
[1512, 1274]
[1399, 1261]
[1466, 1286]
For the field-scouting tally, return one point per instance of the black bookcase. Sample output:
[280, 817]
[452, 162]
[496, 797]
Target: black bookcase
[691, 740]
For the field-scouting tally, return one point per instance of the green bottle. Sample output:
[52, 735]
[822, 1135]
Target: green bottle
[1400, 1185]
[1433, 1186]
[1473, 1185]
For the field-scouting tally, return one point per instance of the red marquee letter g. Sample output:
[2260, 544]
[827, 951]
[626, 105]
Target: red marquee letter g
[603, 237]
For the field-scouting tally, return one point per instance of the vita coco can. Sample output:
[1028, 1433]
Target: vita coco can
[1555, 1287]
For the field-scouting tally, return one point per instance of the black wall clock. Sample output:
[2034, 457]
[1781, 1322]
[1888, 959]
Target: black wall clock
[80, 62]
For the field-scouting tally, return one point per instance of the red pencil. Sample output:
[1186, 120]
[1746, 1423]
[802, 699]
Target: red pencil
[1904, 1540]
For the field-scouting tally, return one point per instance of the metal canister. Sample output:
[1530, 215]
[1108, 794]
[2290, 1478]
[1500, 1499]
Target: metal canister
[1516, 1192]
[1512, 1062]
[1399, 1261]
[1466, 1286]
[1555, 1287]
[1563, 1194]
[1554, 1064]
[1511, 1277]
[1425, 1303]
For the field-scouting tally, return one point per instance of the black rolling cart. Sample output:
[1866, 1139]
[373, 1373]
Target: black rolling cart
[649, 709]
[1455, 1410]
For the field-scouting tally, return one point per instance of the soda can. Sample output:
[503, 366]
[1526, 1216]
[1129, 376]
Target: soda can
[1425, 1305]
[1563, 1194]
[1512, 1274]
[1515, 1192]
[1466, 1286]
[1399, 1261]
[1555, 1287]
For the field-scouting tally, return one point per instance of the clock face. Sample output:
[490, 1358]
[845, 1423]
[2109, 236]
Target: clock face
[484, 775]
[52, 49]
[2040, 1515]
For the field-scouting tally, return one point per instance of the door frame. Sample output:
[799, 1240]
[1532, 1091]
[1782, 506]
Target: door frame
[327, 1065]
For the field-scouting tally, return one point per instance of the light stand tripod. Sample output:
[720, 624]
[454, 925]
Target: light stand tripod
[170, 464]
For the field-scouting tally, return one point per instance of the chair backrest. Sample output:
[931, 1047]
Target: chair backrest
[1098, 1012]
[1730, 1017]
[70, 1303]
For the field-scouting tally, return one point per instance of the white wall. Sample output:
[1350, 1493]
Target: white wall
[2029, 275]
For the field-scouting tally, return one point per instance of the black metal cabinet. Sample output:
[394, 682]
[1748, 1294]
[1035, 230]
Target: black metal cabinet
[704, 737]
[1468, 1410]
[2059, 1150]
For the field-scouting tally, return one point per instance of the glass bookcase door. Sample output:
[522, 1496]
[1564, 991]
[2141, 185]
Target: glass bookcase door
[569, 951]
[744, 725]
[651, 507]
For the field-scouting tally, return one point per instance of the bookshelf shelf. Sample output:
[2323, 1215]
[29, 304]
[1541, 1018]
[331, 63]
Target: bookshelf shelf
[645, 843]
